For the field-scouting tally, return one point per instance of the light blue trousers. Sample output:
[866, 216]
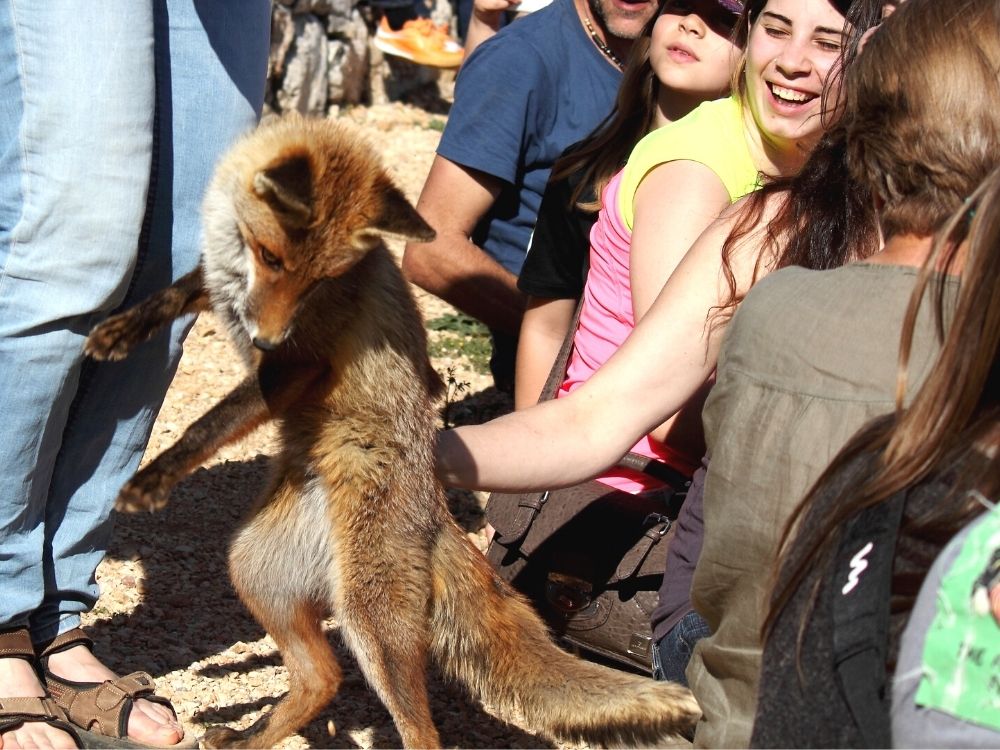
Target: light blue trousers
[112, 115]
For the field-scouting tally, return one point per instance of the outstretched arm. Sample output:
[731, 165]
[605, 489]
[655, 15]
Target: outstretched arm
[667, 358]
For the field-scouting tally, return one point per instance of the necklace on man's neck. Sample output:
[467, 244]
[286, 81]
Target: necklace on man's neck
[604, 48]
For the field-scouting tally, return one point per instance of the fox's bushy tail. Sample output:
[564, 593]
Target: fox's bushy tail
[487, 636]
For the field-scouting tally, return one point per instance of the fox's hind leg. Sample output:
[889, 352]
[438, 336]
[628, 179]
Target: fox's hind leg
[313, 677]
[119, 334]
[279, 563]
[385, 622]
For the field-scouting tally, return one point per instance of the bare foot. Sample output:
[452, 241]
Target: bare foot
[149, 722]
[18, 680]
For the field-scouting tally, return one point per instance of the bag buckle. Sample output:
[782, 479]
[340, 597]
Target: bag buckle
[568, 594]
[658, 518]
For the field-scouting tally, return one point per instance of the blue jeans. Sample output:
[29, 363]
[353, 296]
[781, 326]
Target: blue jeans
[112, 116]
[673, 651]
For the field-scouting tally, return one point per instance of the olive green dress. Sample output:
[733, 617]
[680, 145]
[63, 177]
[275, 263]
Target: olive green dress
[808, 359]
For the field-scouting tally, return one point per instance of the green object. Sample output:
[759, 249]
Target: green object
[961, 660]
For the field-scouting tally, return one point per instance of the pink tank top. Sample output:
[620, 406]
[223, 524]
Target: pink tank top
[606, 320]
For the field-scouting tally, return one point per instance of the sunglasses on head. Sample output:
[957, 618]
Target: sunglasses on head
[718, 15]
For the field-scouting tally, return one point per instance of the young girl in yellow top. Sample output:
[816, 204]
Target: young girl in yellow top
[680, 177]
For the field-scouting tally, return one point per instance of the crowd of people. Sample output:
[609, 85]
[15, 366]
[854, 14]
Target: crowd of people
[861, 159]
[770, 230]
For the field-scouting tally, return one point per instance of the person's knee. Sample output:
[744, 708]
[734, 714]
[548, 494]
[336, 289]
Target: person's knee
[673, 651]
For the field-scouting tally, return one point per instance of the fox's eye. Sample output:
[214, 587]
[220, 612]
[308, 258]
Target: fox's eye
[271, 260]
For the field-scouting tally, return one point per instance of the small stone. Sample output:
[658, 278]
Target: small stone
[330, 728]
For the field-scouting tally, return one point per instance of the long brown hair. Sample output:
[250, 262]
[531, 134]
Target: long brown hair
[910, 170]
[921, 134]
[956, 410]
[955, 105]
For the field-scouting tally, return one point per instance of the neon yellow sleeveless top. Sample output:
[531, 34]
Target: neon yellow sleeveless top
[712, 134]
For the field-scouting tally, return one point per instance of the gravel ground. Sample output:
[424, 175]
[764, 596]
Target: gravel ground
[167, 606]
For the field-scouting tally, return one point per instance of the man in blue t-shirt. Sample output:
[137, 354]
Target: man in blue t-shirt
[525, 94]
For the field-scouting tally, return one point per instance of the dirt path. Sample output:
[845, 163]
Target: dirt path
[167, 605]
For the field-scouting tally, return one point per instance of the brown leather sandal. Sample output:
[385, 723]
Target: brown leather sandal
[100, 710]
[15, 712]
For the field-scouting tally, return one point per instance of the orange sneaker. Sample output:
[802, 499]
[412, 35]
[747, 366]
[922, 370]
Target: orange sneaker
[420, 41]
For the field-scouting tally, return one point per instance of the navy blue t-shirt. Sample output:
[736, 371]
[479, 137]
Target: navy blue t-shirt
[521, 98]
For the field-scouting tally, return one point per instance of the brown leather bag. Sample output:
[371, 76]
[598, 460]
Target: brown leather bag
[590, 558]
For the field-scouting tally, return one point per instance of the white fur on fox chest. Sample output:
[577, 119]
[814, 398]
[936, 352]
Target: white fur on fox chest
[286, 553]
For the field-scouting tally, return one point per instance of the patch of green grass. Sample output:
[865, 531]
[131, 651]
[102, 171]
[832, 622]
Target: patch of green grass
[436, 123]
[461, 336]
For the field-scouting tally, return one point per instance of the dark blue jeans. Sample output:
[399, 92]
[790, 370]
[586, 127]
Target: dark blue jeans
[673, 651]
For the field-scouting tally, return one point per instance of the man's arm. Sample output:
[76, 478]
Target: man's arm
[451, 267]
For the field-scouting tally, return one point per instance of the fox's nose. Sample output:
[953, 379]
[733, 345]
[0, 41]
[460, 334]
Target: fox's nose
[265, 345]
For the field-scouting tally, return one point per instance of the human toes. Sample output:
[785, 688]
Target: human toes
[36, 734]
[154, 724]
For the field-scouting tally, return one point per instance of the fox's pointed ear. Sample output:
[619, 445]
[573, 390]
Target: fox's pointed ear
[287, 186]
[400, 218]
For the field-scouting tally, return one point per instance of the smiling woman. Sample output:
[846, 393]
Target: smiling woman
[786, 70]
[793, 47]
[717, 152]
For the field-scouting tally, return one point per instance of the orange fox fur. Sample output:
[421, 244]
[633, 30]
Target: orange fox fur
[354, 521]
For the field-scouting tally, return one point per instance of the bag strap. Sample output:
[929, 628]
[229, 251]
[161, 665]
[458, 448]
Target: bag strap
[657, 527]
[558, 372]
[862, 583]
[658, 470]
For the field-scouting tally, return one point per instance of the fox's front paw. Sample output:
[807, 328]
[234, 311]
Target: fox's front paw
[114, 338]
[145, 491]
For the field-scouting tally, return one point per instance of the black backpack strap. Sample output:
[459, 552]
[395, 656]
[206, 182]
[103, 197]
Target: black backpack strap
[861, 587]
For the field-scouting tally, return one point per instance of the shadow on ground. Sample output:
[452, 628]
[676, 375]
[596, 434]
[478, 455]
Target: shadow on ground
[188, 609]
[188, 613]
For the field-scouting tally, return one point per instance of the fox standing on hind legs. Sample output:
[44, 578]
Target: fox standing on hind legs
[354, 521]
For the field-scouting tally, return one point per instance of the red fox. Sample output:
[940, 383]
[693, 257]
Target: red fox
[354, 521]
